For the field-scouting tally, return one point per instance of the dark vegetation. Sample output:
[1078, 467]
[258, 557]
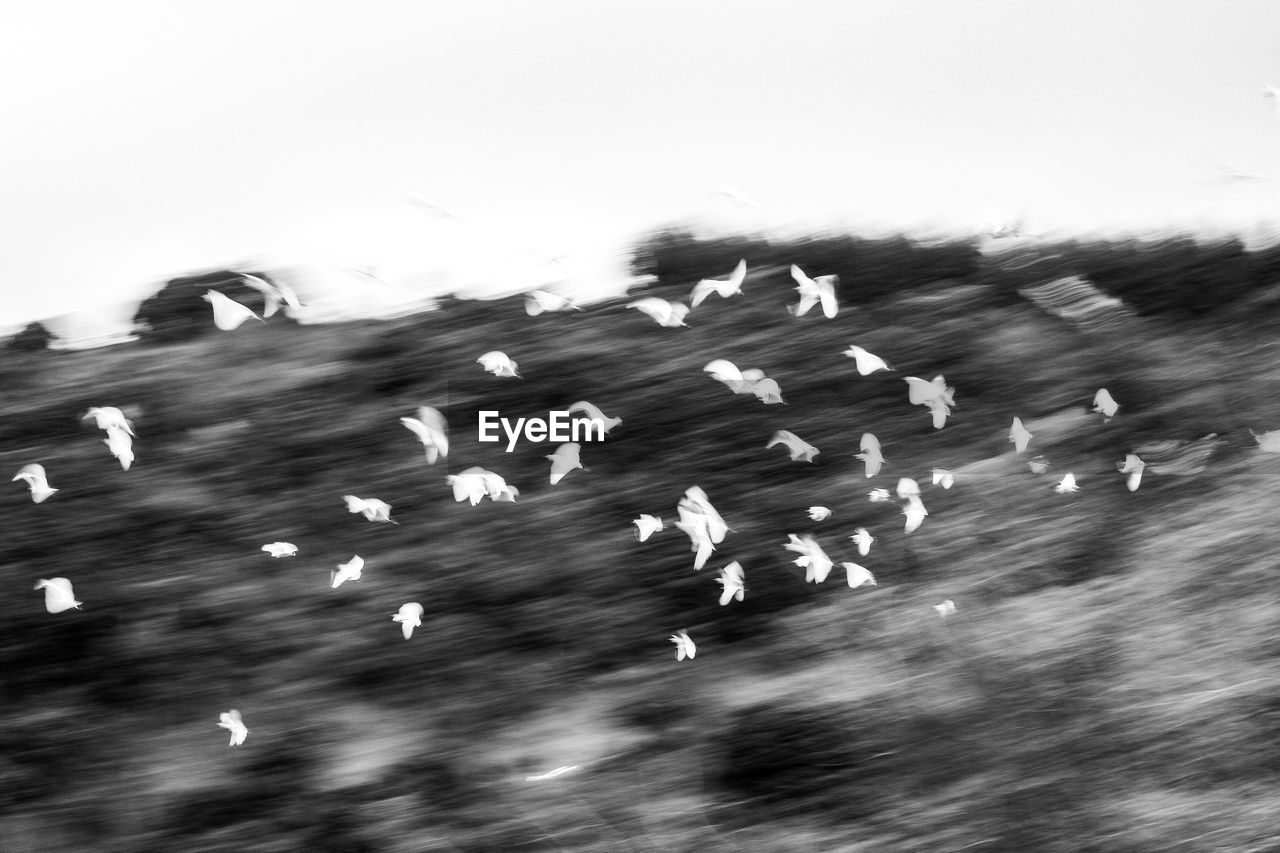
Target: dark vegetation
[1107, 682]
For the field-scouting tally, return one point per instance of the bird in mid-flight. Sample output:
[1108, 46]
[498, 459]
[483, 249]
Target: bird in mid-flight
[281, 549]
[58, 595]
[231, 721]
[727, 288]
[35, 477]
[409, 617]
[227, 313]
[685, 647]
[800, 450]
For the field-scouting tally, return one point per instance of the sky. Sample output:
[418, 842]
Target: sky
[147, 140]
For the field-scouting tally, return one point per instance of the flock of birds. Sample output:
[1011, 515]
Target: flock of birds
[698, 518]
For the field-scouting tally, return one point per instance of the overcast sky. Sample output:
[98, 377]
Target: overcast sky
[146, 139]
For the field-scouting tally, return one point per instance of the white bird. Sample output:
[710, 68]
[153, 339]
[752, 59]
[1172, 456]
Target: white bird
[857, 575]
[498, 364]
[592, 411]
[727, 288]
[733, 580]
[1038, 465]
[552, 774]
[907, 488]
[728, 373]
[372, 508]
[1133, 466]
[1105, 405]
[863, 539]
[469, 484]
[666, 314]
[57, 594]
[939, 411]
[1067, 484]
[1272, 92]
[647, 525]
[273, 294]
[879, 495]
[567, 457]
[946, 608]
[697, 526]
[230, 720]
[767, 391]
[498, 490]
[943, 476]
[35, 477]
[120, 445]
[1268, 442]
[819, 513]
[108, 417]
[281, 549]
[409, 617]
[800, 450]
[695, 499]
[920, 392]
[432, 430]
[227, 313]
[538, 301]
[684, 646]
[812, 291]
[348, 571]
[813, 559]
[866, 363]
[870, 455]
[1019, 435]
[915, 513]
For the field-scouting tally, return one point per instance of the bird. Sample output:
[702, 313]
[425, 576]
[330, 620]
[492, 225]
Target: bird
[727, 372]
[468, 485]
[697, 526]
[907, 488]
[227, 313]
[499, 364]
[915, 513]
[108, 417]
[812, 559]
[1272, 92]
[281, 549]
[695, 499]
[684, 646]
[1019, 435]
[372, 508]
[727, 288]
[552, 774]
[666, 314]
[348, 571]
[1133, 466]
[1067, 484]
[858, 576]
[732, 579]
[1105, 405]
[871, 456]
[1038, 465]
[1268, 442]
[920, 392]
[120, 445]
[58, 595]
[647, 525]
[592, 411]
[539, 301]
[866, 363]
[863, 540]
[498, 490]
[800, 450]
[812, 291]
[409, 617]
[273, 294]
[819, 513]
[879, 495]
[35, 477]
[432, 430]
[567, 457]
[946, 608]
[767, 391]
[944, 477]
[939, 413]
[231, 721]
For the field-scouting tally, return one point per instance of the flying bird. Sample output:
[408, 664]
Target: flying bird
[695, 499]
[727, 288]
[231, 721]
[468, 485]
[1105, 405]
[1133, 466]
[108, 417]
[58, 595]
[647, 525]
[1268, 442]
[667, 314]
[567, 457]
[946, 608]
[907, 489]
[732, 579]
[1019, 436]
[944, 477]
[870, 455]
[920, 392]
[593, 412]
[1038, 465]
[432, 430]
[863, 540]
[498, 364]
[684, 646]
[866, 363]
[538, 301]
[552, 774]
[767, 391]
[372, 508]
[348, 571]
[281, 549]
[915, 513]
[697, 526]
[800, 450]
[819, 513]
[812, 559]
[812, 291]
[879, 495]
[858, 576]
[227, 313]
[1272, 92]
[120, 445]
[35, 477]
[409, 617]
[1067, 484]
[274, 295]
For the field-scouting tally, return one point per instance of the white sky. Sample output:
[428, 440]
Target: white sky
[144, 140]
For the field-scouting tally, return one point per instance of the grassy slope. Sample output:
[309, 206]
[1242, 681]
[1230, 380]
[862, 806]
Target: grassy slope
[1106, 683]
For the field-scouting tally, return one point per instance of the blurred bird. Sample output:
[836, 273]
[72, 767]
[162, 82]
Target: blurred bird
[812, 291]
[800, 450]
[281, 549]
[866, 363]
[120, 445]
[727, 288]
[57, 594]
[1268, 442]
[469, 484]
[728, 373]
[915, 513]
[231, 721]
[1105, 405]
[943, 476]
[647, 525]
[593, 412]
[273, 294]
[567, 457]
[1133, 466]
[732, 579]
[498, 489]
[432, 430]
[695, 499]
[1067, 484]
[863, 540]
[552, 774]
[35, 477]
[920, 392]
[372, 508]
[498, 364]
[813, 559]
[739, 198]
[907, 488]
[697, 526]
[858, 576]
[946, 608]
[879, 495]
[767, 391]
[871, 456]
[227, 313]
[108, 417]
[684, 646]
[409, 617]
[539, 301]
[1272, 92]
[348, 571]
[1019, 436]
[939, 412]
[819, 513]
[667, 314]
[1038, 465]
